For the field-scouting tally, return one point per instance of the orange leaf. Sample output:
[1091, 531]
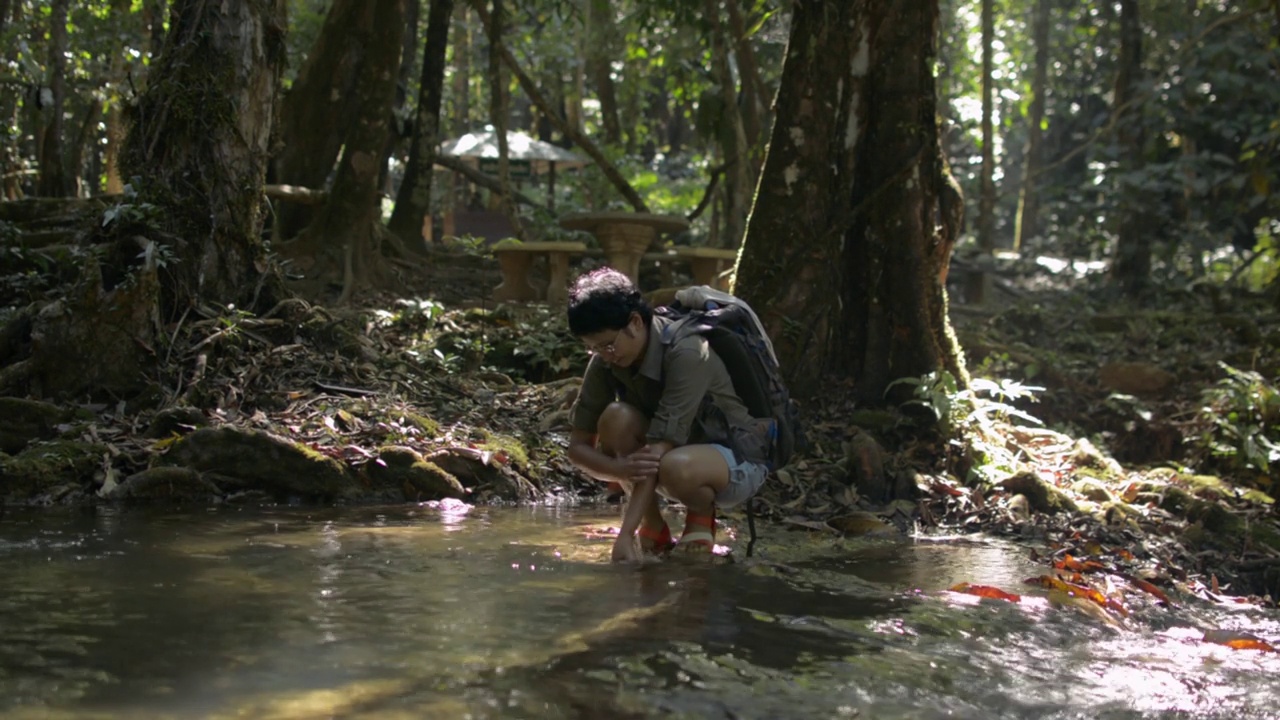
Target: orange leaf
[1147, 587]
[1250, 644]
[986, 591]
[1238, 640]
[1074, 565]
[1089, 593]
[1124, 554]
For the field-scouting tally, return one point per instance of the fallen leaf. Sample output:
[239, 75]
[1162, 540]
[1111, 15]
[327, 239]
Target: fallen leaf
[1070, 563]
[1148, 588]
[1238, 640]
[986, 591]
[1055, 583]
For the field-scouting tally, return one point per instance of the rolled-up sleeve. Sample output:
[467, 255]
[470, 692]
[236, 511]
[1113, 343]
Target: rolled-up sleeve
[686, 376]
[596, 394]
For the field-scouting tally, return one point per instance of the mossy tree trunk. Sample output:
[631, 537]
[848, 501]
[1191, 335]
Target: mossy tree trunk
[844, 245]
[413, 200]
[347, 232]
[199, 138]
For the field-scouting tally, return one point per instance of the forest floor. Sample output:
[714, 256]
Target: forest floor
[1129, 444]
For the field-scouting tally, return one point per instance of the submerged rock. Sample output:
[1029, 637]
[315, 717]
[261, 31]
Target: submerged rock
[257, 460]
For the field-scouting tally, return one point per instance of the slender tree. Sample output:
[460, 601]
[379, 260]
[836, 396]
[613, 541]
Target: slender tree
[54, 181]
[413, 200]
[600, 49]
[843, 246]
[1027, 223]
[977, 285]
[1131, 266]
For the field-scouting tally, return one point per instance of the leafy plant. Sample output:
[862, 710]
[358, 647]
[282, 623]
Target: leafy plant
[1242, 416]
[968, 413]
[132, 212]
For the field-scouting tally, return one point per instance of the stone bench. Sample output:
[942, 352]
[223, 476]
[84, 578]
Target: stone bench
[514, 260]
[706, 265]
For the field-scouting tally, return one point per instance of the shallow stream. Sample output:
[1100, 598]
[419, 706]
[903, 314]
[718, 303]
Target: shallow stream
[456, 612]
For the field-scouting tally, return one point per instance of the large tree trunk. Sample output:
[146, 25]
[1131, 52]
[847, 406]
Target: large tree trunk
[843, 248]
[350, 219]
[318, 112]
[53, 170]
[413, 201]
[200, 139]
[1028, 221]
[201, 136]
[1131, 267]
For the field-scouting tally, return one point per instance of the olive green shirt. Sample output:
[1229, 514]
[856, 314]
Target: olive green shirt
[684, 390]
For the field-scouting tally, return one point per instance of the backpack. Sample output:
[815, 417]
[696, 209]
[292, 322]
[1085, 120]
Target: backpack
[734, 331]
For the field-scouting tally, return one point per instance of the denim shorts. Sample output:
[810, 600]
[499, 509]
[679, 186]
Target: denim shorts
[745, 479]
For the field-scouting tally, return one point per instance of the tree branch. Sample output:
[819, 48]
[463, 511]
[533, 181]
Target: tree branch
[579, 138]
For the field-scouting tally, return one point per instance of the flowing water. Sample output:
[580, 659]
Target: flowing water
[457, 612]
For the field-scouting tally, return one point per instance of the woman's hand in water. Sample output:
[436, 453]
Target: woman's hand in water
[624, 550]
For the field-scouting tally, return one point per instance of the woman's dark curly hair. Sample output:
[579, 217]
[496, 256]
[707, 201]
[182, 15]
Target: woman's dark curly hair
[604, 299]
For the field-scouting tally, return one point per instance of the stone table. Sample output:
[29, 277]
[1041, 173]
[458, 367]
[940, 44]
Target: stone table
[624, 236]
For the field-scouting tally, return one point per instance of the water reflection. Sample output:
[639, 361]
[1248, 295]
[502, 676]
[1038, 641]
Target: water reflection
[452, 611]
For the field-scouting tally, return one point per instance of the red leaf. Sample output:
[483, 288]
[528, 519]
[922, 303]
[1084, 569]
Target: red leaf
[986, 591]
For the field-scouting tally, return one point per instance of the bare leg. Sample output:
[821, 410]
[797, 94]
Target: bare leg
[694, 475]
[622, 428]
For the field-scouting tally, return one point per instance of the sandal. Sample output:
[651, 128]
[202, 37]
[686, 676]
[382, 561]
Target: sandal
[658, 541]
[699, 532]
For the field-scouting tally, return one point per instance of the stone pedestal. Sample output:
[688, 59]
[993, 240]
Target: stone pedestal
[515, 261]
[624, 236]
[706, 264]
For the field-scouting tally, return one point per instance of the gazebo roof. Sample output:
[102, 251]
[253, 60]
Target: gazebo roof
[484, 144]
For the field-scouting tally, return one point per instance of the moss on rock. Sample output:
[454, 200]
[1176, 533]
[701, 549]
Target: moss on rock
[23, 421]
[515, 451]
[403, 471]
[257, 460]
[166, 485]
[1043, 497]
[44, 466]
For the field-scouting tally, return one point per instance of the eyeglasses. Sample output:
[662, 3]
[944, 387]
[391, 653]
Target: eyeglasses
[607, 349]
